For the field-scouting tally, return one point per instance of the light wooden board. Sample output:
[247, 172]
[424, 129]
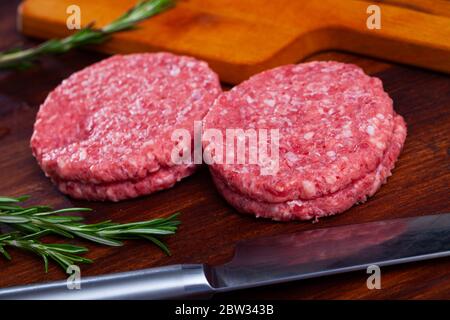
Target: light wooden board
[242, 37]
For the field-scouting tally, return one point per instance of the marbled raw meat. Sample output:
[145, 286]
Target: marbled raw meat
[111, 123]
[335, 125]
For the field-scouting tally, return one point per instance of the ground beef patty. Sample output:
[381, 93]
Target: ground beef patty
[159, 180]
[339, 139]
[329, 204]
[105, 132]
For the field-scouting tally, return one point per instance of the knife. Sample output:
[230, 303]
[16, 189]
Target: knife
[266, 261]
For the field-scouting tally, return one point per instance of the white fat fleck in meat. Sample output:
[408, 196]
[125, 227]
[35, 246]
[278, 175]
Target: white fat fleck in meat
[370, 130]
[379, 144]
[347, 133]
[308, 135]
[52, 119]
[196, 94]
[83, 154]
[175, 71]
[249, 99]
[330, 179]
[292, 157]
[309, 187]
[295, 203]
[166, 111]
[110, 193]
[77, 191]
[380, 116]
[61, 164]
[269, 102]
[331, 154]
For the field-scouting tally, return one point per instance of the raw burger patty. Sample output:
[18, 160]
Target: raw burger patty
[105, 132]
[337, 141]
[330, 204]
[161, 179]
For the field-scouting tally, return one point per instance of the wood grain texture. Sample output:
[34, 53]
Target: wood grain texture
[210, 228]
[241, 38]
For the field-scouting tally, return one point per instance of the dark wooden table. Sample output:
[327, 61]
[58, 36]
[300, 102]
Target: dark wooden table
[210, 228]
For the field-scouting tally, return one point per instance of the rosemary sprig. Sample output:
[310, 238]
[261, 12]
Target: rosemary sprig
[142, 10]
[63, 254]
[45, 220]
[37, 221]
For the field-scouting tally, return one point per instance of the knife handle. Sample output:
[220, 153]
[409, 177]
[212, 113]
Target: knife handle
[169, 282]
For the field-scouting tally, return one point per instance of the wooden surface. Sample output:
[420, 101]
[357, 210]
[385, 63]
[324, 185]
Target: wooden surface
[210, 228]
[240, 38]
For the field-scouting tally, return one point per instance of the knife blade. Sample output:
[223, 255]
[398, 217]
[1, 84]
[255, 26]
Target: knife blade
[266, 261]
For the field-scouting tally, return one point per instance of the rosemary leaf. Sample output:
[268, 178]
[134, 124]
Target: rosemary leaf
[20, 59]
[63, 254]
[36, 221]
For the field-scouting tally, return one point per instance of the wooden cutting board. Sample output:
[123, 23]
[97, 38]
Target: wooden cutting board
[210, 228]
[242, 37]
